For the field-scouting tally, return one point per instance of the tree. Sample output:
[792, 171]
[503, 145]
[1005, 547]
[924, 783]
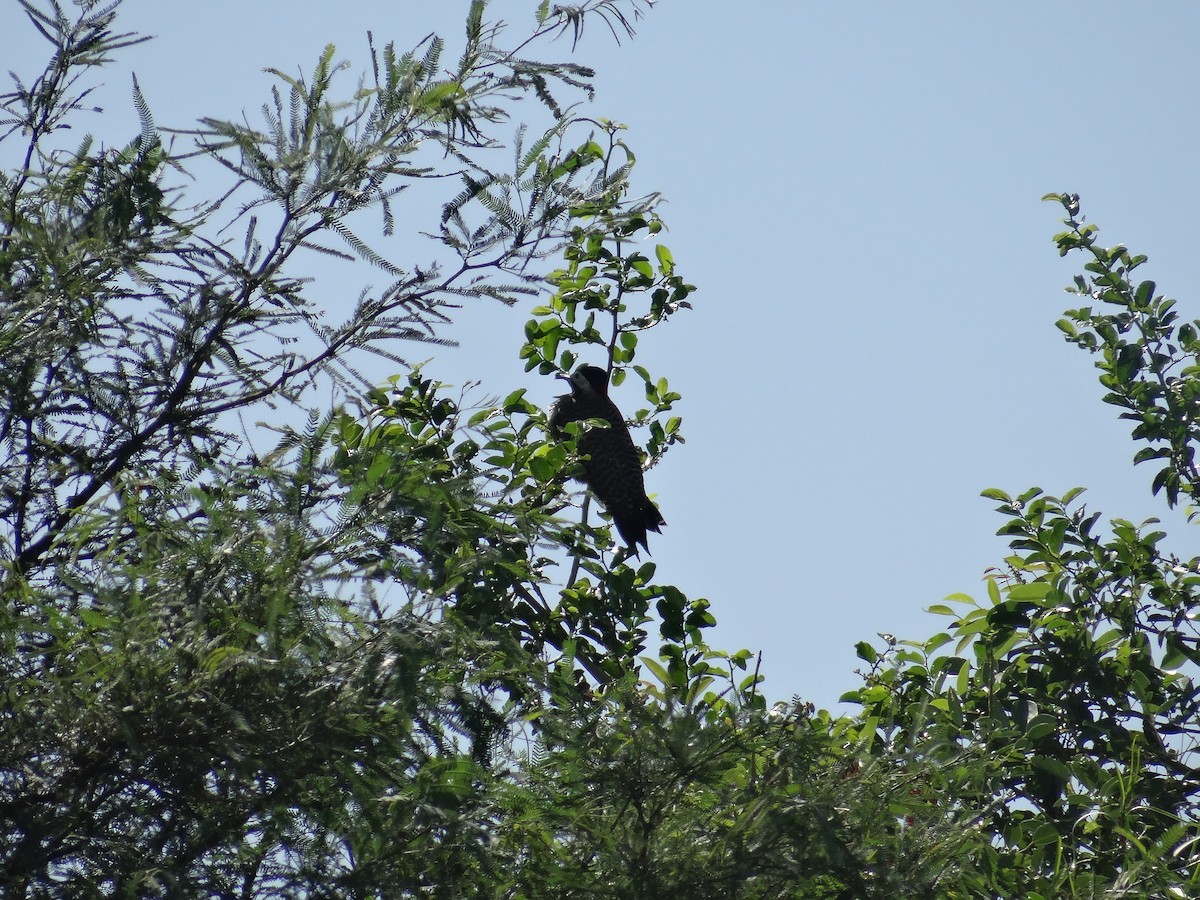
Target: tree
[1077, 677]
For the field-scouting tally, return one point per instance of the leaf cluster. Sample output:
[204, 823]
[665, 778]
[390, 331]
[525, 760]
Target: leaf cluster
[298, 670]
[1149, 360]
[1072, 690]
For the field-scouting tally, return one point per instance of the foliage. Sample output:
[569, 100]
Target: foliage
[393, 654]
[311, 670]
[1147, 358]
[1078, 675]
[688, 786]
[207, 688]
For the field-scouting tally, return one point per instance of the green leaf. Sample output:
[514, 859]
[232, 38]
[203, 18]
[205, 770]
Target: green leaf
[1045, 834]
[937, 641]
[1036, 590]
[437, 94]
[666, 262]
[96, 620]
[1053, 766]
[1041, 726]
[993, 591]
[1144, 293]
[866, 732]
[1071, 495]
[659, 671]
[963, 683]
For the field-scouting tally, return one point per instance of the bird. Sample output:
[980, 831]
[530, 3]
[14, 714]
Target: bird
[612, 470]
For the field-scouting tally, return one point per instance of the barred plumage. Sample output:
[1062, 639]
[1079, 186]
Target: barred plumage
[613, 470]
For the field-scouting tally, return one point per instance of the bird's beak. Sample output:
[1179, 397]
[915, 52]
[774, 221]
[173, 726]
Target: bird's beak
[565, 376]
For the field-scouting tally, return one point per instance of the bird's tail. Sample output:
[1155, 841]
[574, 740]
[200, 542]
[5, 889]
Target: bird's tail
[633, 525]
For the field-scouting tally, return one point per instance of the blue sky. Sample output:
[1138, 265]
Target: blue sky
[854, 189]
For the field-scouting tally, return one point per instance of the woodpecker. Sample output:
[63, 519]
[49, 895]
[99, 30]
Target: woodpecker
[613, 469]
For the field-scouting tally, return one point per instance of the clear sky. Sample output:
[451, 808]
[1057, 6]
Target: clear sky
[854, 188]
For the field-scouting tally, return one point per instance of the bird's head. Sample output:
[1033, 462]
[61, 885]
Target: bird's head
[589, 380]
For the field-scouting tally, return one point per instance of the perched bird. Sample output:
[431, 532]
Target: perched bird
[613, 469]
